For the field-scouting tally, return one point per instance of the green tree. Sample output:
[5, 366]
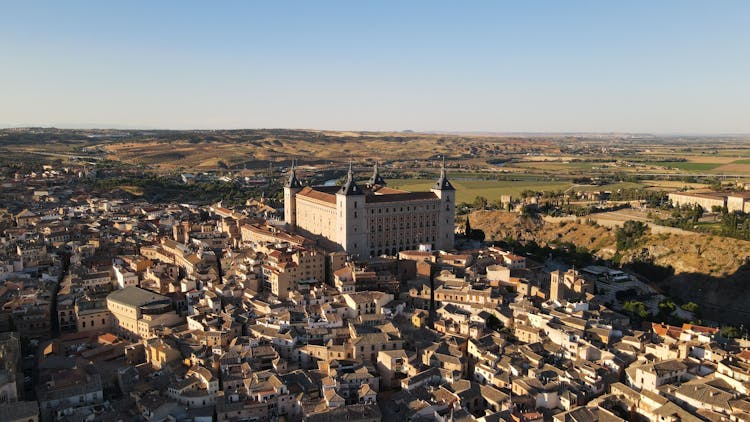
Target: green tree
[697, 213]
[629, 234]
[691, 307]
[480, 202]
[667, 305]
[636, 308]
[729, 331]
[477, 235]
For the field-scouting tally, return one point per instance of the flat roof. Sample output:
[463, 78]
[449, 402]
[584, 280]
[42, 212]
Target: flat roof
[135, 296]
[701, 194]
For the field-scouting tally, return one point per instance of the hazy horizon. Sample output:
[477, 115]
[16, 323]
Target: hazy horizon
[426, 132]
[640, 67]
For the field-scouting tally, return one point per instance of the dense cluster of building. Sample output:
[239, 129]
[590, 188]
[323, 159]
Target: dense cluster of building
[138, 311]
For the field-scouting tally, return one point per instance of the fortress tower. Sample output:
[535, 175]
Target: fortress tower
[291, 188]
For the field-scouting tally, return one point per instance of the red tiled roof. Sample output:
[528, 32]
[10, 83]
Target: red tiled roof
[666, 330]
[700, 328]
[398, 197]
[311, 193]
[744, 355]
[107, 338]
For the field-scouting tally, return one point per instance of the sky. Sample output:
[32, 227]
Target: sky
[666, 66]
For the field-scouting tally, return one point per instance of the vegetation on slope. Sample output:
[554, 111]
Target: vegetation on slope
[711, 271]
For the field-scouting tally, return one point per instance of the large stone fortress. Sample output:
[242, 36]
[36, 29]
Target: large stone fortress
[372, 220]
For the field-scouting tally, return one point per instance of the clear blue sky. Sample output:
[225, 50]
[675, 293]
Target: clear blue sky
[626, 66]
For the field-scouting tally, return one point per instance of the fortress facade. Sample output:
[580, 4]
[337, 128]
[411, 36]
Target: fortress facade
[373, 219]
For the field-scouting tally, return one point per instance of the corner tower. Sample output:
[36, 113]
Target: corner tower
[376, 179]
[350, 216]
[445, 191]
[291, 187]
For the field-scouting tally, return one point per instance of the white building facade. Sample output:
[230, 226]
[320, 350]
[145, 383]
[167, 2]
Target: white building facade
[374, 220]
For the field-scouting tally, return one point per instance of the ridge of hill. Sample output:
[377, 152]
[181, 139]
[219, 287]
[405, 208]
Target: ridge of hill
[713, 271]
[696, 253]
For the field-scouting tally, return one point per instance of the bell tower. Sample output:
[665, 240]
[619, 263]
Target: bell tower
[292, 186]
[444, 190]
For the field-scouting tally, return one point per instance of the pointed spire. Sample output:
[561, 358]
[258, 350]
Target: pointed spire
[442, 182]
[350, 186]
[376, 179]
[293, 182]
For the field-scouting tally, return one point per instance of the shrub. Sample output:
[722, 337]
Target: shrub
[636, 308]
[629, 234]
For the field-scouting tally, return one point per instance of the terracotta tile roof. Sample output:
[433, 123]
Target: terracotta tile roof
[700, 328]
[387, 191]
[744, 355]
[107, 338]
[398, 197]
[666, 330]
[311, 193]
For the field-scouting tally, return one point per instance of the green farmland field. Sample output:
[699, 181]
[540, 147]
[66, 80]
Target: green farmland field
[684, 165]
[467, 190]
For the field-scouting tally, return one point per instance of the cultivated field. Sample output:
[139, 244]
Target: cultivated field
[553, 159]
[466, 190]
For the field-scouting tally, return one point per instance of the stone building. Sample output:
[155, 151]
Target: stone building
[372, 220]
[137, 312]
[568, 284]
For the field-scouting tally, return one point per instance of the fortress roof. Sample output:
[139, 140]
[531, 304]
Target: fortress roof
[319, 193]
[399, 197]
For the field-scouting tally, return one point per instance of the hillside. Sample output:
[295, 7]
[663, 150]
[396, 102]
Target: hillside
[687, 253]
[500, 225]
[709, 270]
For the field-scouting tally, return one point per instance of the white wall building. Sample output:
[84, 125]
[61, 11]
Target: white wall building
[374, 220]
